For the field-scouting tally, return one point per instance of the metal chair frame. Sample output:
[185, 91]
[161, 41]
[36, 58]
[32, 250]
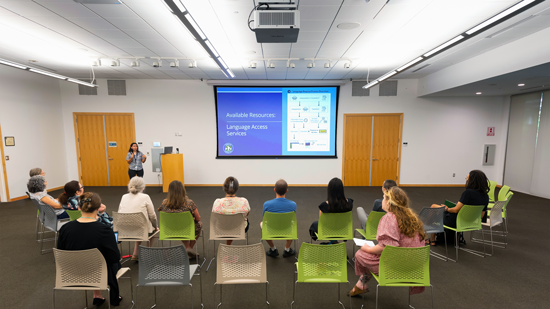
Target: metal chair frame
[142, 225]
[294, 227]
[51, 223]
[474, 212]
[187, 219]
[321, 236]
[433, 223]
[495, 219]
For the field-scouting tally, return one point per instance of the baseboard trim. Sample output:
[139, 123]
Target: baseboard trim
[430, 185]
[24, 196]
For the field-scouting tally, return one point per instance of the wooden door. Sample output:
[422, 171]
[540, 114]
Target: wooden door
[385, 150]
[120, 130]
[371, 148]
[91, 150]
[357, 148]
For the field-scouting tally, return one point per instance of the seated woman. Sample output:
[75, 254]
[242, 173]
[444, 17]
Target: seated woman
[231, 204]
[177, 201]
[477, 187]
[137, 201]
[336, 203]
[69, 198]
[87, 233]
[400, 227]
[37, 171]
[37, 189]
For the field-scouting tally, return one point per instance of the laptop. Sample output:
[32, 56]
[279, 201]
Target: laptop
[168, 150]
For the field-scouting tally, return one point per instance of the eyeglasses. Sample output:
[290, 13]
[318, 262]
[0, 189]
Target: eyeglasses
[81, 188]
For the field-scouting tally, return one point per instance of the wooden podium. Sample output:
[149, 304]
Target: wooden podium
[172, 169]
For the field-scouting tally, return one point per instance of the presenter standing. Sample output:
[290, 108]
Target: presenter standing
[135, 159]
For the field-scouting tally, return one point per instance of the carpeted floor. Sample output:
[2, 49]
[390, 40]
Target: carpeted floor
[515, 277]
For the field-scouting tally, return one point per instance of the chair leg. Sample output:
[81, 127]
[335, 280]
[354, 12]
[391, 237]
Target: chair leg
[293, 294]
[192, 296]
[207, 268]
[108, 298]
[220, 296]
[432, 289]
[377, 296]
[204, 252]
[267, 293]
[54, 298]
[86, 299]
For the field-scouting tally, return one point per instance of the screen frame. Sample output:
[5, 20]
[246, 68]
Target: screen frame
[335, 156]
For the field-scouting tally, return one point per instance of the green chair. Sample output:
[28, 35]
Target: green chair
[280, 226]
[74, 214]
[321, 264]
[369, 233]
[335, 226]
[178, 226]
[503, 192]
[468, 219]
[492, 187]
[505, 219]
[404, 267]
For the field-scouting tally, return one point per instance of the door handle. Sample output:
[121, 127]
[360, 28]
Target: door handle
[373, 159]
[110, 158]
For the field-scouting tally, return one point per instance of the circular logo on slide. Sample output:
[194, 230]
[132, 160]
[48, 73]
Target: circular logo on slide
[228, 148]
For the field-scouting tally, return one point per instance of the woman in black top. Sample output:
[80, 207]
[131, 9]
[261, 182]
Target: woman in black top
[477, 187]
[88, 233]
[336, 203]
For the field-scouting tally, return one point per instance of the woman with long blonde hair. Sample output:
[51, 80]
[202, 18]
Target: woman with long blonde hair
[399, 227]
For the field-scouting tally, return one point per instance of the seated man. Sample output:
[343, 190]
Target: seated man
[280, 205]
[388, 184]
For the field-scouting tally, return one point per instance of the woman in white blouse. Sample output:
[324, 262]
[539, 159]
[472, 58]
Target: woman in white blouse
[137, 201]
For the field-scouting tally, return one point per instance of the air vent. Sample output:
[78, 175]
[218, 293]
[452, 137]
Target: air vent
[420, 68]
[85, 90]
[357, 89]
[116, 87]
[277, 18]
[388, 89]
[511, 27]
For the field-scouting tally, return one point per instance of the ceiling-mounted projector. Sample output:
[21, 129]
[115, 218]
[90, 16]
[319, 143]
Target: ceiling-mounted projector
[276, 22]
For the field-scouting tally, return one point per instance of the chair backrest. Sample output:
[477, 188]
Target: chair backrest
[50, 218]
[224, 227]
[241, 264]
[130, 226]
[362, 215]
[79, 269]
[279, 226]
[177, 225]
[38, 207]
[469, 218]
[163, 266]
[74, 214]
[335, 226]
[503, 192]
[404, 266]
[508, 198]
[373, 220]
[491, 193]
[322, 263]
[432, 218]
[28, 194]
[496, 213]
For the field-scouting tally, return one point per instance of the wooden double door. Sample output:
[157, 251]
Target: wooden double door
[102, 142]
[371, 148]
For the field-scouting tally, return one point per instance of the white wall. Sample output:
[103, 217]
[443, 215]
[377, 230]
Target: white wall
[445, 135]
[30, 110]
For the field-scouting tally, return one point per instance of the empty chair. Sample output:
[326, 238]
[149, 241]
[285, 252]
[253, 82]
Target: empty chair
[131, 227]
[495, 218]
[166, 267]
[226, 227]
[241, 265]
[432, 218]
[39, 219]
[509, 196]
[83, 270]
[468, 219]
[407, 267]
[51, 223]
[321, 264]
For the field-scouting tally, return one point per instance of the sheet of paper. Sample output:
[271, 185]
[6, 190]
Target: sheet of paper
[362, 242]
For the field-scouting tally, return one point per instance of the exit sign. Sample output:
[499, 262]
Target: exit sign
[490, 131]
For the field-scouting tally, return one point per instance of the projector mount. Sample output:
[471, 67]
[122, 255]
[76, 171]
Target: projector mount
[278, 5]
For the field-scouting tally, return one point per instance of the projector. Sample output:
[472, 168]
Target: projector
[276, 26]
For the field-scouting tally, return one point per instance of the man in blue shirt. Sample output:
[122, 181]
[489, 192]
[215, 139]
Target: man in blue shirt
[280, 205]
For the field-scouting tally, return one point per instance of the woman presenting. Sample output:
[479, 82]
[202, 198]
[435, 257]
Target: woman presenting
[135, 158]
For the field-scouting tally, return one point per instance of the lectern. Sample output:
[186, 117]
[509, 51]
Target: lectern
[172, 169]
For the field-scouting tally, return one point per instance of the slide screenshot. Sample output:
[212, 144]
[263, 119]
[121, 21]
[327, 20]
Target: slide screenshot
[276, 121]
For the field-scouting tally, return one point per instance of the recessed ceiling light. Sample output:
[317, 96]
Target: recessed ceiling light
[478, 92]
[521, 85]
[348, 26]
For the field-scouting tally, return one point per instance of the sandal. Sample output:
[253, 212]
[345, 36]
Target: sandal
[98, 301]
[356, 291]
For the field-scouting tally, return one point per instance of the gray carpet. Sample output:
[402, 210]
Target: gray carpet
[514, 277]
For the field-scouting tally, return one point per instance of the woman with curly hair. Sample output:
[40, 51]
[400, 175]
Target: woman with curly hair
[37, 191]
[400, 227]
[177, 201]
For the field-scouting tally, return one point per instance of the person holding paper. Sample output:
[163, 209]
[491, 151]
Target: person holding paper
[400, 227]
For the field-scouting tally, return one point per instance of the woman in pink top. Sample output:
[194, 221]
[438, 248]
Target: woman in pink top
[400, 227]
[231, 204]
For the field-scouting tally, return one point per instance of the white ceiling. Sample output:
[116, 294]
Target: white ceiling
[63, 36]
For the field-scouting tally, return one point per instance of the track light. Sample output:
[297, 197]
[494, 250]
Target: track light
[271, 65]
[175, 63]
[157, 64]
[252, 65]
[328, 65]
[192, 64]
[347, 65]
[311, 65]
[135, 63]
[115, 63]
[292, 66]
[96, 63]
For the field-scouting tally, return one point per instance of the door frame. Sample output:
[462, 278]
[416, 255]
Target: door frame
[398, 180]
[4, 167]
[75, 114]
